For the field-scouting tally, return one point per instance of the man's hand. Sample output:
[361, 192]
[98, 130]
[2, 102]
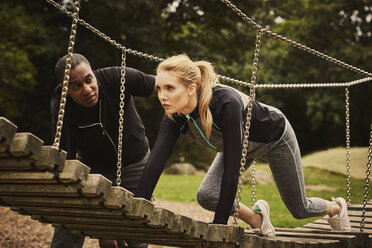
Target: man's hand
[106, 243]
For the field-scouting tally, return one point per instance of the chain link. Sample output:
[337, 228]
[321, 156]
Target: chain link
[366, 187]
[253, 182]
[121, 119]
[293, 43]
[247, 125]
[66, 78]
[296, 85]
[347, 117]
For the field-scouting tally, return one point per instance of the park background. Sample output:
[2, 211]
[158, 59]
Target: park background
[35, 35]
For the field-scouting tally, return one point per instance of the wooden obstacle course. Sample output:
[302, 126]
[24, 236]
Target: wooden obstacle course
[38, 181]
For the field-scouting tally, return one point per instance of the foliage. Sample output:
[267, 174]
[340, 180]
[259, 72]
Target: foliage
[36, 36]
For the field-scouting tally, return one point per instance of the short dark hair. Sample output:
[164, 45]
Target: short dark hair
[76, 59]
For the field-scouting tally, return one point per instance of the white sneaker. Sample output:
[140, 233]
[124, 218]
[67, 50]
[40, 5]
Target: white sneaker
[267, 229]
[341, 222]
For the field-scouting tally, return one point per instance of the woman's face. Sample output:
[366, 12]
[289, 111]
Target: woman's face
[174, 96]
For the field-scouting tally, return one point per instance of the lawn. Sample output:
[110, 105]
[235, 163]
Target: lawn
[181, 188]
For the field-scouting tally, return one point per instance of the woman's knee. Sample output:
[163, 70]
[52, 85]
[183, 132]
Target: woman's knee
[206, 200]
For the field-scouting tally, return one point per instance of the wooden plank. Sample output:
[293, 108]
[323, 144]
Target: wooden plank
[74, 172]
[118, 198]
[346, 241]
[162, 218]
[358, 219]
[85, 220]
[7, 133]
[359, 207]
[73, 202]
[63, 211]
[357, 213]
[38, 190]
[199, 229]
[181, 225]
[139, 208]
[27, 177]
[96, 186]
[50, 159]
[353, 223]
[160, 239]
[26, 144]
[218, 233]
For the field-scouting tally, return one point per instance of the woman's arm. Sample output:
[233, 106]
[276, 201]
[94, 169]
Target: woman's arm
[167, 137]
[231, 119]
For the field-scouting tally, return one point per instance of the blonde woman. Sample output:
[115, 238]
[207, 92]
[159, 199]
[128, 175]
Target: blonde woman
[214, 116]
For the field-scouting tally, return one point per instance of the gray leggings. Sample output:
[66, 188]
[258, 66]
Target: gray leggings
[284, 159]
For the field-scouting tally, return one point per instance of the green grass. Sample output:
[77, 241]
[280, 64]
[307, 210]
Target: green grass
[181, 188]
[335, 160]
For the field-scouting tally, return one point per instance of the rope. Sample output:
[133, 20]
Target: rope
[293, 43]
[366, 187]
[66, 78]
[225, 78]
[247, 127]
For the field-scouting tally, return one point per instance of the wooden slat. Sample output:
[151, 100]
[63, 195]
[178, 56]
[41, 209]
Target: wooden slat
[96, 186]
[162, 217]
[27, 177]
[117, 198]
[26, 144]
[50, 159]
[7, 133]
[359, 207]
[346, 240]
[77, 202]
[140, 208]
[353, 223]
[359, 213]
[38, 190]
[74, 172]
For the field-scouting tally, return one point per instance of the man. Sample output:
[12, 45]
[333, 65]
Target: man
[91, 122]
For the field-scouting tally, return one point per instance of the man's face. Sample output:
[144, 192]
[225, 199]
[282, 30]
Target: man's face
[83, 87]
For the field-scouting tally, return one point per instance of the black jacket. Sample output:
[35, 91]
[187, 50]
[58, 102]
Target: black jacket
[92, 135]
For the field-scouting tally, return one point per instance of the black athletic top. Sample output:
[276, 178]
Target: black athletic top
[228, 108]
[91, 135]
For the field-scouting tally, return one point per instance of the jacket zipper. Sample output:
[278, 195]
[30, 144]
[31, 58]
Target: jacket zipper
[104, 132]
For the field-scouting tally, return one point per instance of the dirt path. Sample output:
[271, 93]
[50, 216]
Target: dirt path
[19, 231]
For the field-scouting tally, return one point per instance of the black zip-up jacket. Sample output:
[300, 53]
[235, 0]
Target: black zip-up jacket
[229, 108]
[91, 136]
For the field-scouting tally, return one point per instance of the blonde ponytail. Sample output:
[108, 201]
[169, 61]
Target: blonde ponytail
[208, 79]
[202, 74]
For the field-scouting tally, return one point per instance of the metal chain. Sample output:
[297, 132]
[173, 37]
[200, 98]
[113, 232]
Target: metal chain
[296, 85]
[228, 79]
[293, 43]
[247, 127]
[121, 119]
[366, 187]
[253, 182]
[347, 116]
[66, 78]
